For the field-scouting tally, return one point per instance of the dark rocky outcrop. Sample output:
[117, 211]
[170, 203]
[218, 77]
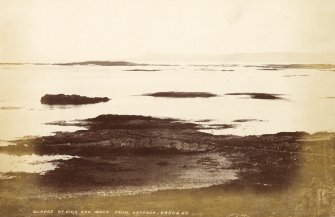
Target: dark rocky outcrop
[108, 134]
[182, 94]
[130, 154]
[62, 99]
[268, 96]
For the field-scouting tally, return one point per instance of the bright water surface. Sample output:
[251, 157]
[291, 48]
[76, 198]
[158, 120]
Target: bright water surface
[307, 107]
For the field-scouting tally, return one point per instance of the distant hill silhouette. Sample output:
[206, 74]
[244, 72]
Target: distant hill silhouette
[101, 63]
[270, 57]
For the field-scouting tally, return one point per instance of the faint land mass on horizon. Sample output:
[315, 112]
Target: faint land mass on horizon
[240, 57]
[144, 60]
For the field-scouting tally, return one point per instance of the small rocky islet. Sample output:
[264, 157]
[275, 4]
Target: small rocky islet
[134, 153]
[264, 96]
[173, 94]
[62, 99]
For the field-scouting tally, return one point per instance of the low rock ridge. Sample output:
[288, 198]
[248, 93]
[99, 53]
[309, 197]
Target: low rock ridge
[62, 99]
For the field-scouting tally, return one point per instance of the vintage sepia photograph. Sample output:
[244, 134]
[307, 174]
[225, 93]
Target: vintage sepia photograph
[140, 108]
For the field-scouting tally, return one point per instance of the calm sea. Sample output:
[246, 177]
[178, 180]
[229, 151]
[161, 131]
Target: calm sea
[308, 105]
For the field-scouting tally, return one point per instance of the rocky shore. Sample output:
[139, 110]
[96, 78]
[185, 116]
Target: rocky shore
[129, 154]
[268, 159]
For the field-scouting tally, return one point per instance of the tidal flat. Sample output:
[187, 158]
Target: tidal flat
[133, 163]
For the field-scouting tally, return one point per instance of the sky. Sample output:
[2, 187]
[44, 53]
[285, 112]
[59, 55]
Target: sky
[72, 30]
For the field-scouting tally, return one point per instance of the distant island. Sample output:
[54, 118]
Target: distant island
[267, 96]
[62, 99]
[259, 57]
[181, 94]
[101, 63]
[296, 66]
[274, 60]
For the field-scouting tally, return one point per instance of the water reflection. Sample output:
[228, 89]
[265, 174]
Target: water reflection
[30, 163]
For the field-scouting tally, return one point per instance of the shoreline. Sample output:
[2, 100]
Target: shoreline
[112, 136]
[143, 159]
